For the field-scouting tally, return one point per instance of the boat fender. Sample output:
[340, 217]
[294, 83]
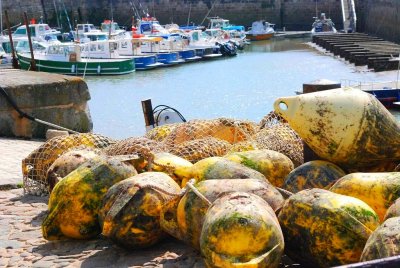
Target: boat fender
[98, 69]
[73, 68]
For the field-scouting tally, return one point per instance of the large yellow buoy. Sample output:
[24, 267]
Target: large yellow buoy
[345, 126]
[241, 230]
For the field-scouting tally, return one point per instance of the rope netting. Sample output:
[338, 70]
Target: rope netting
[193, 140]
[37, 163]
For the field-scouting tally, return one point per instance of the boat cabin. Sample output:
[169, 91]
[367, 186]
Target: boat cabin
[85, 28]
[105, 27]
[218, 23]
[150, 26]
[100, 49]
[63, 52]
[40, 31]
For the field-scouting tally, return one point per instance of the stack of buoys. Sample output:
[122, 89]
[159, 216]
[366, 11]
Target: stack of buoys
[244, 206]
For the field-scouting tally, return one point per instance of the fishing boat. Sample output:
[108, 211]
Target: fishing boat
[121, 49]
[202, 44]
[151, 44]
[175, 43]
[260, 30]
[66, 59]
[323, 25]
[234, 33]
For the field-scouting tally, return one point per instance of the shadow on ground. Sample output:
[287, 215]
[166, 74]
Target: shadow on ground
[101, 252]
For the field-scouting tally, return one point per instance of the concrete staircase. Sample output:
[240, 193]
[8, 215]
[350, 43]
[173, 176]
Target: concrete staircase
[349, 16]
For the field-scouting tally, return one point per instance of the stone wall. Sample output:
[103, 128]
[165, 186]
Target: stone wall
[292, 14]
[377, 17]
[57, 99]
[380, 18]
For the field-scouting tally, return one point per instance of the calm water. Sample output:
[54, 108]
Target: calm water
[242, 87]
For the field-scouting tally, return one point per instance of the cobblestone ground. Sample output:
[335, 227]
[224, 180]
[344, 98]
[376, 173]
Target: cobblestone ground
[22, 245]
[12, 152]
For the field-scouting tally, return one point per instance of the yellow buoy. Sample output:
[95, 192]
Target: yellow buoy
[345, 126]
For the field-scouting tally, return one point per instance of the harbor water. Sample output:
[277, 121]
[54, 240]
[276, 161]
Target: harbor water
[242, 87]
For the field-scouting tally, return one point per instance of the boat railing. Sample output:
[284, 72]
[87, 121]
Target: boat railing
[370, 85]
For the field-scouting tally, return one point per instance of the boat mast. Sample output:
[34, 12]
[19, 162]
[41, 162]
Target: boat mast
[112, 20]
[208, 13]
[190, 10]
[56, 11]
[1, 18]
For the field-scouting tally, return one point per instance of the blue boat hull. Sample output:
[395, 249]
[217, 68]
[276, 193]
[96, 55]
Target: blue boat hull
[188, 55]
[169, 58]
[146, 62]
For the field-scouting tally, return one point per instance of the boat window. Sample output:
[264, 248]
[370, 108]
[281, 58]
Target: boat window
[100, 47]
[33, 30]
[20, 31]
[195, 36]
[124, 44]
[92, 47]
[52, 50]
[41, 28]
[80, 27]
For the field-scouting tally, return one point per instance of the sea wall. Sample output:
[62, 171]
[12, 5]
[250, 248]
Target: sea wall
[377, 17]
[58, 99]
[380, 18]
[291, 14]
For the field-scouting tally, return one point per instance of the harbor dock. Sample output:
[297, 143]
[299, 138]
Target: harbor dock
[361, 49]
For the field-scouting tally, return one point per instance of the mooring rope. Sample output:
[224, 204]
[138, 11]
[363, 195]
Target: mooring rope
[25, 115]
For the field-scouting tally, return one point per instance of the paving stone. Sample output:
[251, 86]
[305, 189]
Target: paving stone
[13, 261]
[43, 264]
[63, 264]
[8, 244]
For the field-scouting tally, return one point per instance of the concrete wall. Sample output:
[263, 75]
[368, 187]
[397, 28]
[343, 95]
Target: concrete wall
[58, 99]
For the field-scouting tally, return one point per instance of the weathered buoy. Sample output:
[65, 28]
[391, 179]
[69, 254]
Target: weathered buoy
[384, 241]
[184, 218]
[378, 190]
[241, 230]
[75, 201]
[130, 214]
[313, 174]
[393, 210]
[345, 126]
[216, 168]
[324, 229]
[273, 165]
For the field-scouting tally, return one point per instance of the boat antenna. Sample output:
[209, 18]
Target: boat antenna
[190, 10]
[208, 13]
[111, 7]
[56, 11]
[66, 14]
[1, 18]
[134, 9]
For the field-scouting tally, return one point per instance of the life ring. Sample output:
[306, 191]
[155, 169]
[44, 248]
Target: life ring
[135, 35]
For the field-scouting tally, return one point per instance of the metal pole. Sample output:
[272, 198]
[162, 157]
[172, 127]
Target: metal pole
[28, 32]
[1, 18]
[148, 114]
[15, 63]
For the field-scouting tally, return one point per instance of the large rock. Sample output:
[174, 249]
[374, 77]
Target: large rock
[58, 99]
